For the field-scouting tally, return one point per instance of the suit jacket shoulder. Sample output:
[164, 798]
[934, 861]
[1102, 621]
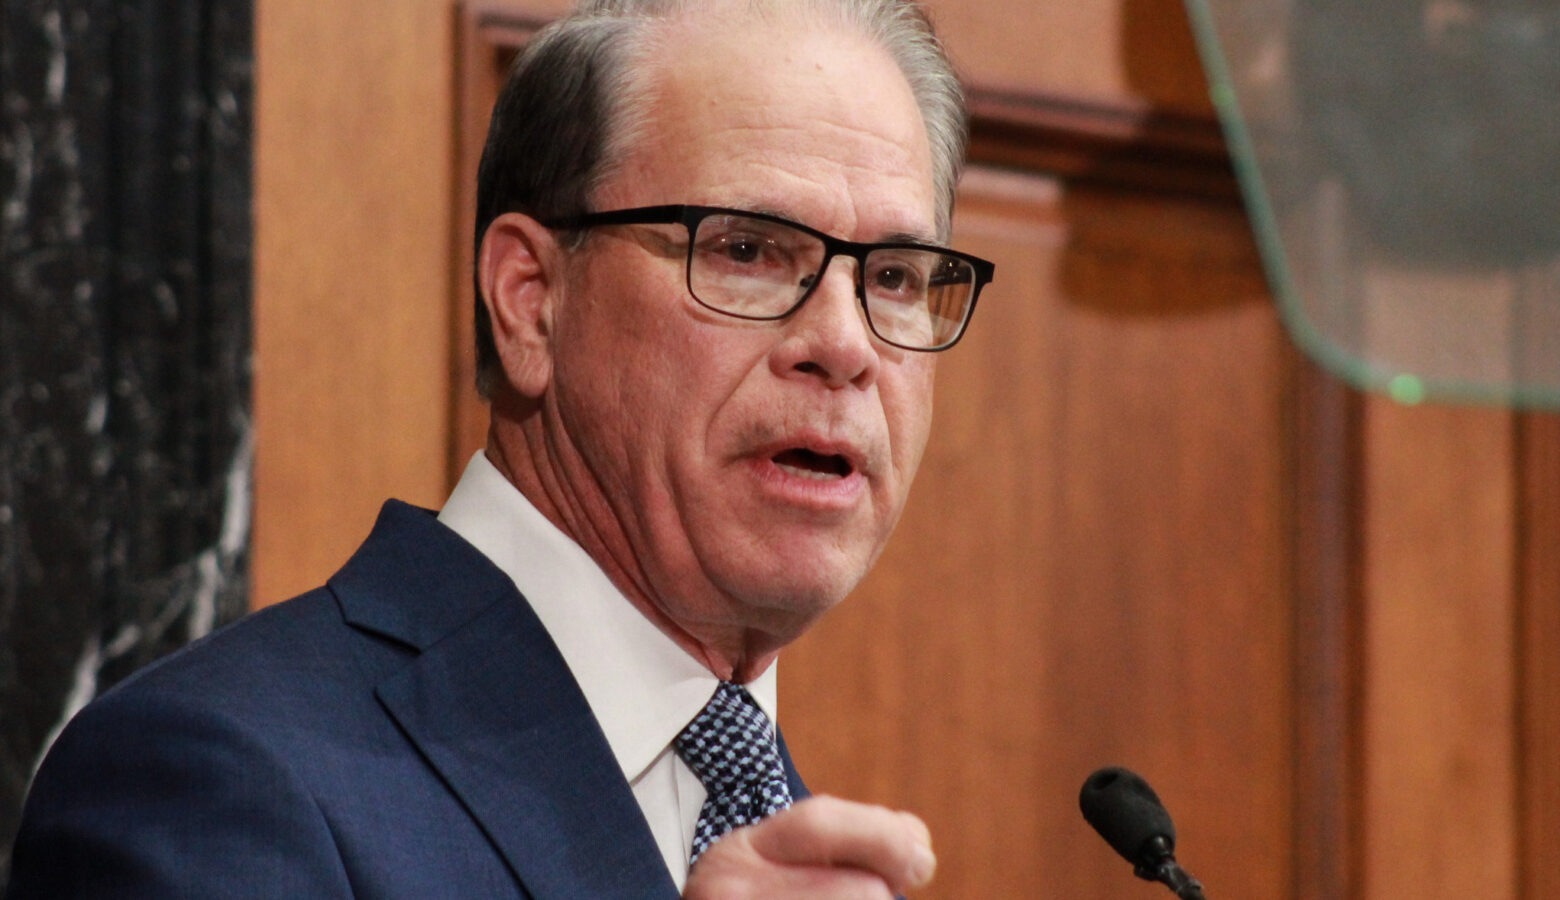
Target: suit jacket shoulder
[407, 730]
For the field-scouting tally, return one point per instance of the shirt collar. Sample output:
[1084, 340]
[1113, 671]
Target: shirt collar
[641, 686]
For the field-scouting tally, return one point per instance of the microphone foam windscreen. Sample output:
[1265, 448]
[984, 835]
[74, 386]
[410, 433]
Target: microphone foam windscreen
[1125, 811]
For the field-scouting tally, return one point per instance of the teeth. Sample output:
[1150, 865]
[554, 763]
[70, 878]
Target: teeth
[806, 473]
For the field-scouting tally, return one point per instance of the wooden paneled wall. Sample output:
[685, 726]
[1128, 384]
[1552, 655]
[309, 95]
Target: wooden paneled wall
[353, 162]
[1146, 532]
[1094, 568]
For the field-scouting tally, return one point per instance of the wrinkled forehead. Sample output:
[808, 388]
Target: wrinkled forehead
[738, 109]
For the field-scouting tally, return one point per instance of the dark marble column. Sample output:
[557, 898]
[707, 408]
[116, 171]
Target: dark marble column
[125, 439]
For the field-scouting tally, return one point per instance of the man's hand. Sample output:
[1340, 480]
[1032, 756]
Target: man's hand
[823, 848]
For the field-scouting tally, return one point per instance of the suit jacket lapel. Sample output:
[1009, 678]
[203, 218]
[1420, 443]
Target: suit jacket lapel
[492, 706]
[494, 710]
[793, 778]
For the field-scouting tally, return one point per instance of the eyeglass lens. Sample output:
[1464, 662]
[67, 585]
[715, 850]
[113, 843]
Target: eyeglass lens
[761, 269]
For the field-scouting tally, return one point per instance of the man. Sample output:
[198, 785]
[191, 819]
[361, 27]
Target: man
[708, 404]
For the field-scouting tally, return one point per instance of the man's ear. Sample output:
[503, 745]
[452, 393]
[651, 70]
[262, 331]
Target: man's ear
[519, 271]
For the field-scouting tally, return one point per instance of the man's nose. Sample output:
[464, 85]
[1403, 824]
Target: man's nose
[829, 337]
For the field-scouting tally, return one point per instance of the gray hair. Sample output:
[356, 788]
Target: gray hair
[567, 116]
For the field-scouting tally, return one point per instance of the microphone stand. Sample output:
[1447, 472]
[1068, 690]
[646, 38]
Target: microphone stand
[1159, 865]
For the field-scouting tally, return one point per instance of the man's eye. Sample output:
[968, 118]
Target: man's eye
[747, 252]
[891, 279]
[742, 250]
[896, 280]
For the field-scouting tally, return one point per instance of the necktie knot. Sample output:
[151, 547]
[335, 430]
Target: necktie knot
[731, 746]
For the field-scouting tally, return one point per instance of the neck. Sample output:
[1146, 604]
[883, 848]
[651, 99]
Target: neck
[548, 472]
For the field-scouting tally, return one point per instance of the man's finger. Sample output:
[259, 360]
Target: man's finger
[830, 832]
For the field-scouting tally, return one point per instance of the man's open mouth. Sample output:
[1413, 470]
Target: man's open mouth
[811, 464]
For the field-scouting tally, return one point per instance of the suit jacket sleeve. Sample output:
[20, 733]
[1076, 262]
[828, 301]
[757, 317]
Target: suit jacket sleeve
[148, 797]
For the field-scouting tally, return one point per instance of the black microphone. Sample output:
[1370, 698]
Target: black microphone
[1128, 815]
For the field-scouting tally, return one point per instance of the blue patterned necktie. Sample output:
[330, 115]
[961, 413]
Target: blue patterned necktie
[731, 746]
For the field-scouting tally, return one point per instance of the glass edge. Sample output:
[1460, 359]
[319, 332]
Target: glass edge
[1400, 385]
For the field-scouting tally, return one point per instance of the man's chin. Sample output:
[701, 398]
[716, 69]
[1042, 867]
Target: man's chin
[785, 577]
[795, 596]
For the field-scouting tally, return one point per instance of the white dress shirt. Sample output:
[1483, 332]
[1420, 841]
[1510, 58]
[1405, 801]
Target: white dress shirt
[640, 685]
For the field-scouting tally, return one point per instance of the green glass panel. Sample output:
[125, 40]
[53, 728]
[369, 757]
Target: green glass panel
[1400, 160]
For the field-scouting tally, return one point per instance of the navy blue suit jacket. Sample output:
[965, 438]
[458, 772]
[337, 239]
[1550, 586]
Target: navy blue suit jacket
[408, 730]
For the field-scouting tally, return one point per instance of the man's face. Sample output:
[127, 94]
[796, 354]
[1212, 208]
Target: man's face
[755, 468]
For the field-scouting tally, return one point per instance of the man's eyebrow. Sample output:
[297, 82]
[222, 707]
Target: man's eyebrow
[892, 237]
[909, 237]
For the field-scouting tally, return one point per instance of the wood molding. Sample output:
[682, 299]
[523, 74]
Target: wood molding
[1538, 669]
[1117, 144]
[501, 24]
[1126, 143]
[1327, 444]
[488, 32]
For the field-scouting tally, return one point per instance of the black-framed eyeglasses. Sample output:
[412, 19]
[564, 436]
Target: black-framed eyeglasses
[756, 266]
